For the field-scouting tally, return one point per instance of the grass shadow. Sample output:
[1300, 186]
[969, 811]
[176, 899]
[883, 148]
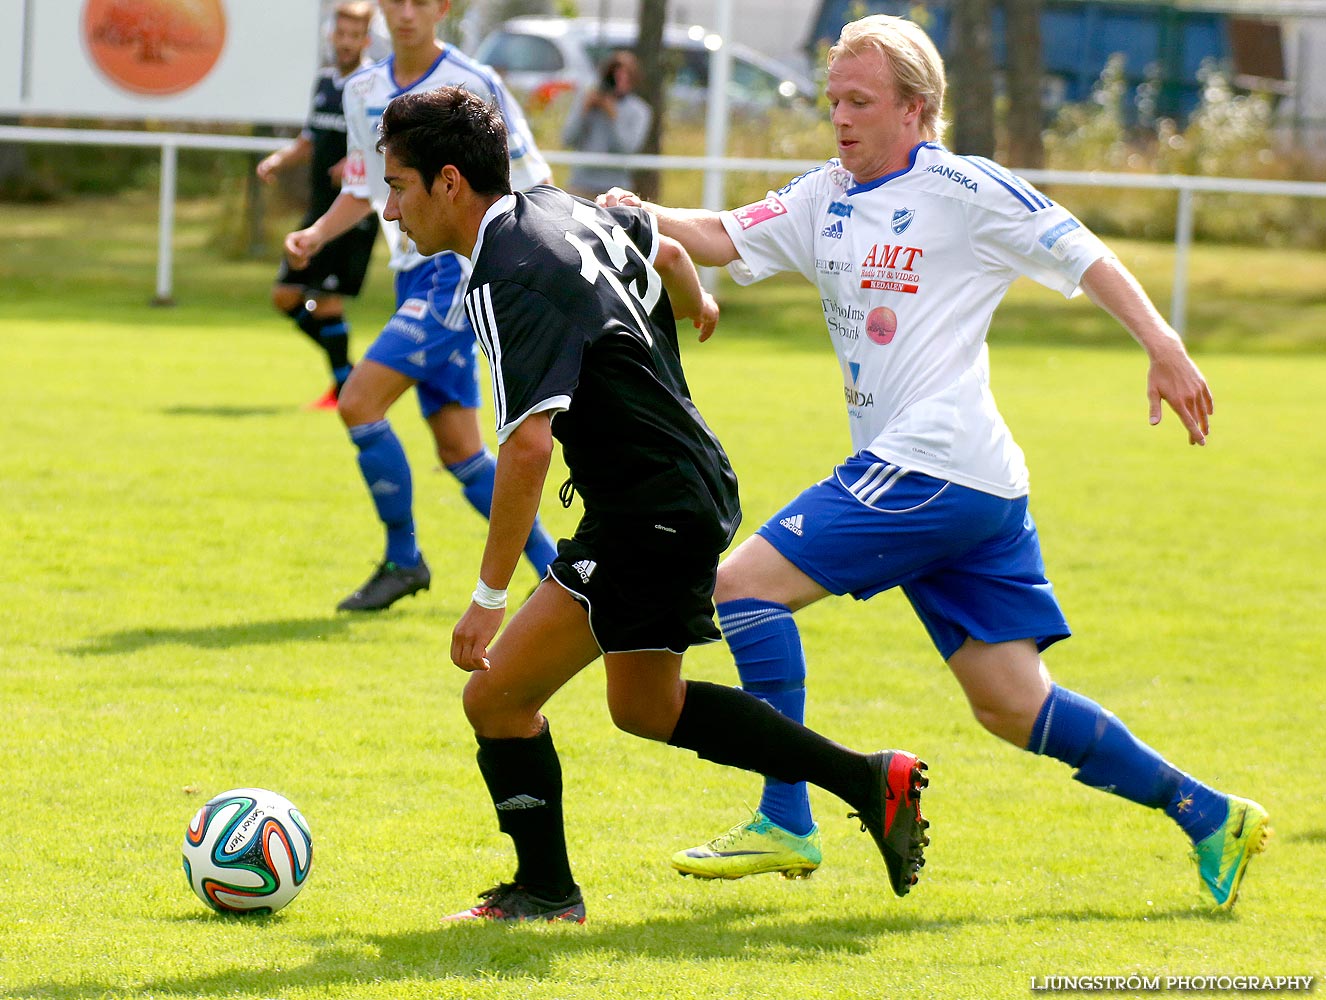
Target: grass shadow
[1306, 837]
[484, 952]
[212, 636]
[223, 411]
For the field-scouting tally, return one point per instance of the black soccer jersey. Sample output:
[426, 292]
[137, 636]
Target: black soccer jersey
[574, 319]
[325, 128]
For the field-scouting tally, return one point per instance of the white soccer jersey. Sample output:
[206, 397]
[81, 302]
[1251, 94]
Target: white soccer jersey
[367, 95]
[910, 268]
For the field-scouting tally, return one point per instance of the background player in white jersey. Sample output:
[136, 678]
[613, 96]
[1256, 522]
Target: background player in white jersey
[313, 297]
[912, 248]
[576, 309]
[428, 343]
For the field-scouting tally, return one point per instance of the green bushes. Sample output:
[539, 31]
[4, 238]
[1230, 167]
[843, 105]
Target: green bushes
[52, 171]
[1230, 134]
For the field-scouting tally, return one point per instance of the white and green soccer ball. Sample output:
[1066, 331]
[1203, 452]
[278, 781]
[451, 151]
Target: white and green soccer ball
[247, 850]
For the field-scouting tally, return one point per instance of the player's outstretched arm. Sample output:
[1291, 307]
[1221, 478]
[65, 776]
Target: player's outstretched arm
[689, 299]
[522, 467]
[347, 210]
[284, 158]
[700, 231]
[1172, 377]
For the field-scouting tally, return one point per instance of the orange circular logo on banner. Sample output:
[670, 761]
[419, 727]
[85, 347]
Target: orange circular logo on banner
[154, 46]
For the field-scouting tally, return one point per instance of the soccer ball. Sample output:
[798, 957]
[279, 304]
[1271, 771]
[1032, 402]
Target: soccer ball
[247, 851]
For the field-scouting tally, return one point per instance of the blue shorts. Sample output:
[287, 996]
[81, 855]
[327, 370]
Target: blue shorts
[429, 338]
[969, 562]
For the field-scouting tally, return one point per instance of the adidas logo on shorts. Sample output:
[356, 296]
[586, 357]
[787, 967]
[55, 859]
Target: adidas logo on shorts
[793, 524]
[585, 567]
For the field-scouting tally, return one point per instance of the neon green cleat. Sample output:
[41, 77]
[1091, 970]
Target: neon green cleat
[753, 848]
[1222, 857]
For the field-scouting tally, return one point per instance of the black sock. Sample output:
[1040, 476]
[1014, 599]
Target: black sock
[524, 778]
[730, 726]
[307, 322]
[331, 334]
[334, 337]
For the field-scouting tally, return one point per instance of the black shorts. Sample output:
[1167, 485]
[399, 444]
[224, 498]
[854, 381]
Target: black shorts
[340, 266]
[647, 584]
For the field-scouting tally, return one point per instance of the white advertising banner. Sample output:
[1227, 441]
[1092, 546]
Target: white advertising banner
[174, 60]
[11, 53]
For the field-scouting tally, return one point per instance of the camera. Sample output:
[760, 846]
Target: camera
[609, 82]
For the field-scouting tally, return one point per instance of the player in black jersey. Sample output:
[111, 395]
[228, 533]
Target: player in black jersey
[312, 296]
[575, 308]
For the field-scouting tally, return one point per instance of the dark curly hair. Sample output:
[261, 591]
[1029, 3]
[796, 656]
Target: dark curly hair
[427, 130]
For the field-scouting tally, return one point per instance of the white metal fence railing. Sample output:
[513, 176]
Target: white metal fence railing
[713, 167]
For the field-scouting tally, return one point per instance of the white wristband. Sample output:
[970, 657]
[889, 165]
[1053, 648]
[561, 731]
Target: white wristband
[487, 597]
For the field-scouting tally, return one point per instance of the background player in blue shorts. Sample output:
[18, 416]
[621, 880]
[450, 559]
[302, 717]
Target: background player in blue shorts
[428, 343]
[313, 296]
[912, 248]
[576, 309]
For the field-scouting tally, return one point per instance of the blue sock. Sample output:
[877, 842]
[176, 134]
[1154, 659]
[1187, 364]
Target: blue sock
[767, 649]
[387, 474]
[540, 549]
[1198, 809]
[476, 475]
[1107, 756]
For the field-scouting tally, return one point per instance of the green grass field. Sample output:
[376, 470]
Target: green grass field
[176, 532]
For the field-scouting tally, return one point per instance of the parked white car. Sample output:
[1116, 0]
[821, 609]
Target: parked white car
[545, 56]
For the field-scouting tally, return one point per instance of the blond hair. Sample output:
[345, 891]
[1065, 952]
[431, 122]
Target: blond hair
[358, 11]
[918, 70]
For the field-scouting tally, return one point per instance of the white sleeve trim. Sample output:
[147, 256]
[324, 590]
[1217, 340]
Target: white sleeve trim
[555, 403]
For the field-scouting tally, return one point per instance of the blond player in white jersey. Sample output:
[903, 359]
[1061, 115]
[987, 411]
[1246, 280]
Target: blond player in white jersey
[428, 343]
[912, 248]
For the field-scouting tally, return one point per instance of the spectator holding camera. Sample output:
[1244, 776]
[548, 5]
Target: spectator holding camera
[610, 117]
